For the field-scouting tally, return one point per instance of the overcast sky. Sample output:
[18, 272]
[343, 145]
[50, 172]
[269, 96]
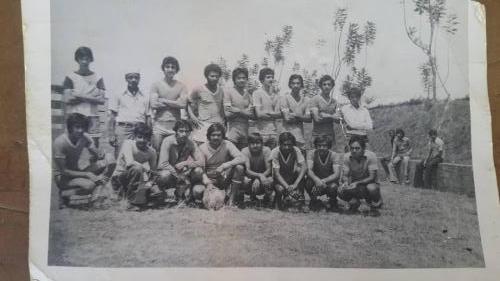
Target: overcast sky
[127, 34]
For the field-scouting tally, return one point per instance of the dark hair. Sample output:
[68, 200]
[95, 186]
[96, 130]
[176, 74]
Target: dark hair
[170, 60]
[255, 138]
[77, 119]
[182, 124]
[433, 132]
[216, 127]
[391, 131]
[359, 139]
[325, 78]
[287, 136]
[400, 131]
[264, 72]
[323, 139]
[212, 68]
[239, 70]
[143, 130]
[84, 52]
[354, 91]
[296, 76]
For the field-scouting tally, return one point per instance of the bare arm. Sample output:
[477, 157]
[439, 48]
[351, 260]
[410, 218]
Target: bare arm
[163, 160]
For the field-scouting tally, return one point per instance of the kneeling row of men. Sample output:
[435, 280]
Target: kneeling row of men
[279, 174]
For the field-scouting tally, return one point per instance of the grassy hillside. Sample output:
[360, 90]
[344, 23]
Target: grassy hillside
[415, 118]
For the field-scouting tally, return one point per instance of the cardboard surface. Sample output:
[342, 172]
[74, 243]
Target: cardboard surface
[13, 157]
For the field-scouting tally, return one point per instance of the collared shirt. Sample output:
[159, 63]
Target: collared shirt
[208, 103]
[358, 119]
[63, 148]
[288, 104]
[268, 103]
[435, 147]
[360, 169]
[328, 106]
[277, 157]
[161, 89]
[172, 153]
[129, 107]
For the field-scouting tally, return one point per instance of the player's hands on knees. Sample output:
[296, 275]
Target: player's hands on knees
[93, 177]
[221, 169]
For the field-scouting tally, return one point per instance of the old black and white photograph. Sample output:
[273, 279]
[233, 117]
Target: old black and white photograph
[283, 134]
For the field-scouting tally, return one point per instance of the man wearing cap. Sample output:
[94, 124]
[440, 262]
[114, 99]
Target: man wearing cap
[126, 110]
[357, 117]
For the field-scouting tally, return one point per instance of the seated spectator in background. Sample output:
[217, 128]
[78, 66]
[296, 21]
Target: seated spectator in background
[180, 163]
[359, 178]
[289, 169]
[258, 178]
[206, 103]
[426, 168]
[127, 109]
[401, 151]
[323, 172]
[295, 108]
[385, 161]
[136, 161]
[323, 108]
[238, 108]
[357, 117]
[168, 100]
[76, 184]
[266, 102]
[84, 91]
[223, 165]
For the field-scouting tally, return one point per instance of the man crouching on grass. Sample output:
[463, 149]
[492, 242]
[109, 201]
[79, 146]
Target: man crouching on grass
[289, 169]
[258, 178]
[136, 161]
[223, 165]
[359, 179]
[76, 186]
[323, 172]
[180, 162]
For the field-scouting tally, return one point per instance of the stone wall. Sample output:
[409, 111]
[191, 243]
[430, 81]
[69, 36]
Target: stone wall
[449, 177]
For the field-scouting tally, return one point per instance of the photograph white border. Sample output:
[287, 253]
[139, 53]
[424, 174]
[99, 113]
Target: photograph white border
[36, 29]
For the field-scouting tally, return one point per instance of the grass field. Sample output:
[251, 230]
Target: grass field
[417, 228]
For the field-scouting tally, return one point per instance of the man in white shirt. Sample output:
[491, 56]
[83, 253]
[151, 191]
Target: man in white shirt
[356, 117]
[126, 110]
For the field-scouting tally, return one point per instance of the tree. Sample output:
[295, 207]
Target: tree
[345, 56]
[275, 48]
[434, 11]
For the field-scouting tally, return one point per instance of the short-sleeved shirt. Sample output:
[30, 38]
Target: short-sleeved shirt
[63, 148]
[358, 119]
[177, 92]
[286, 165]
[233, 98]
[87, 85]
[435, 147]
[360, 169]
[328, 106]
[322, 167]
[209, 104]
[171, 150]
[289, 104]
[258, 162]
[129, 148]
[269, 103]
[403, 146]
[213, 158]
[129, 107]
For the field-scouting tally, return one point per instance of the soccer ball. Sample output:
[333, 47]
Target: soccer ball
[213, 198]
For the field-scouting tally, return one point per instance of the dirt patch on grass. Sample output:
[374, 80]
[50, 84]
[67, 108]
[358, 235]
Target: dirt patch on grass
[417, 228]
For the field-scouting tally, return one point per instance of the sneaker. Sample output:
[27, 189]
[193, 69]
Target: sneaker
[364, 207]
